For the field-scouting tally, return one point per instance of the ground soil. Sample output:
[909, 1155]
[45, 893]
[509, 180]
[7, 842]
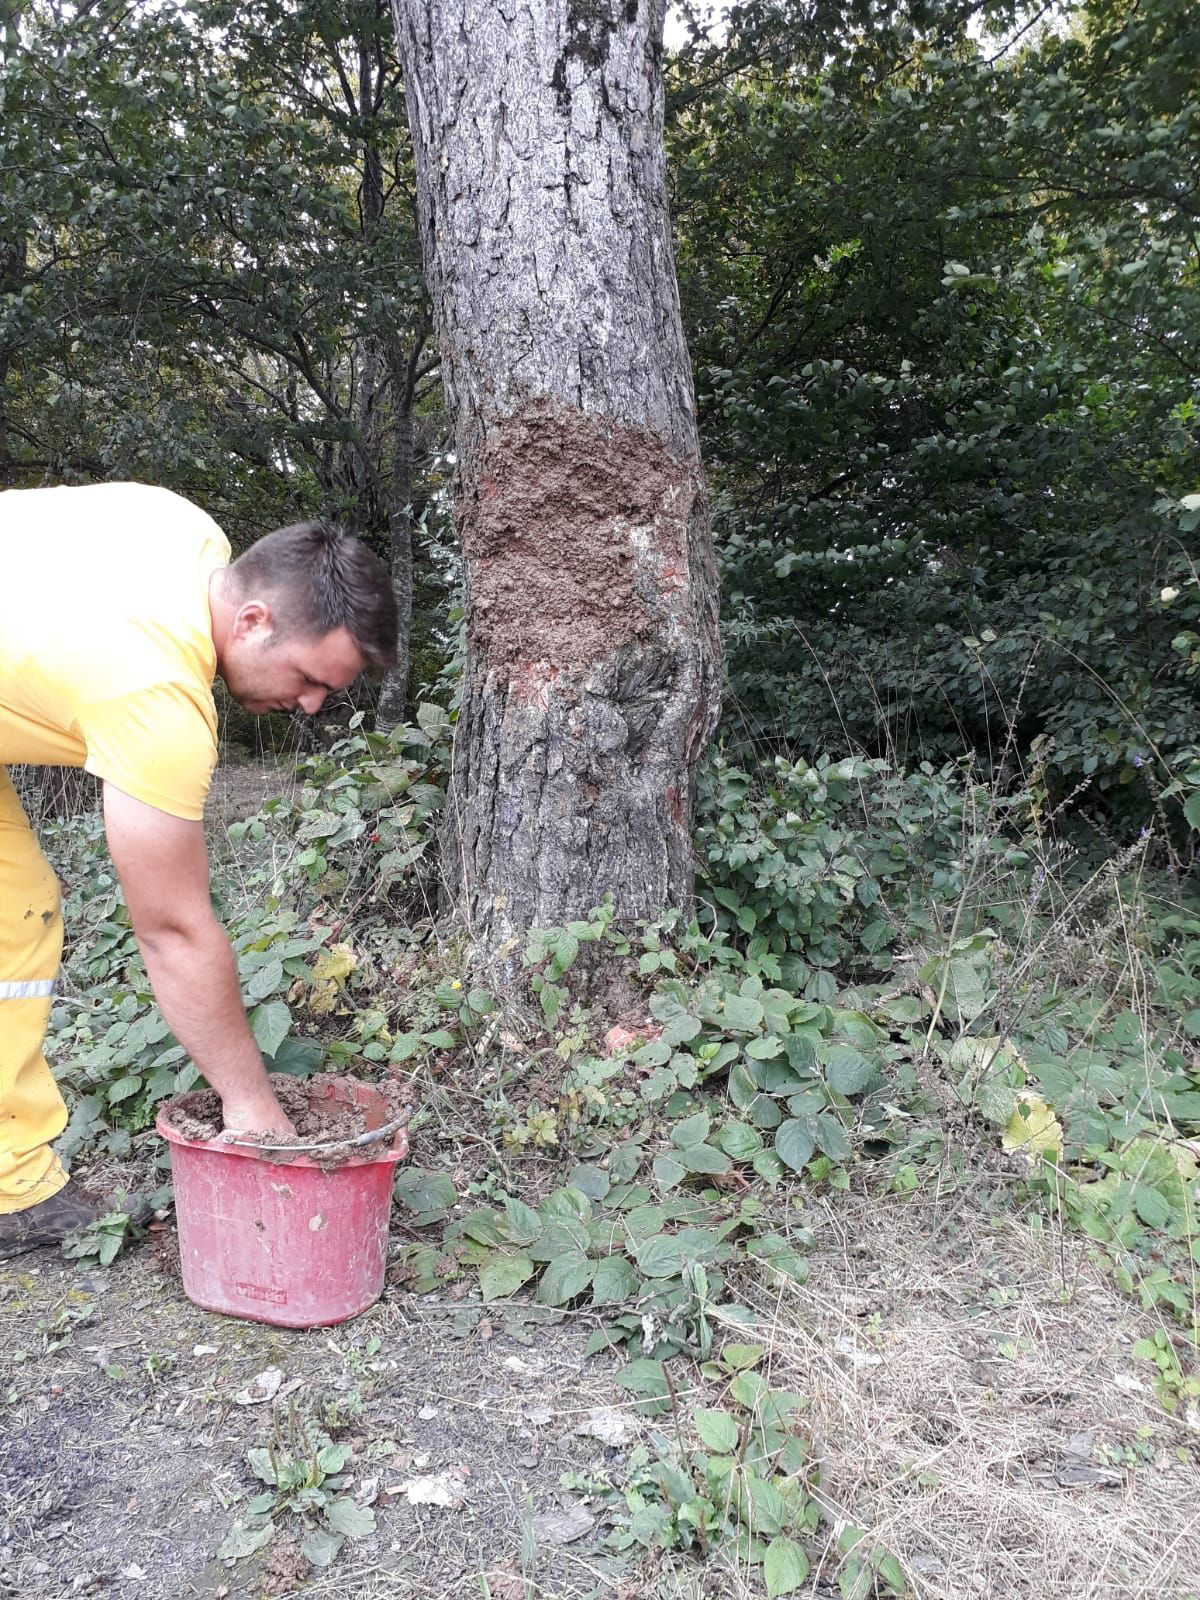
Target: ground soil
[973, 1397]
[124, 1466]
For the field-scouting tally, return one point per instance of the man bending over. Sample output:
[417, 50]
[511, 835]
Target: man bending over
[118, 607]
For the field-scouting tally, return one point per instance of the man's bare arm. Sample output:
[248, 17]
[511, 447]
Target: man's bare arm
[163, 866]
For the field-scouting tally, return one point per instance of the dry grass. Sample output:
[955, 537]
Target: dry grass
[967, 1381]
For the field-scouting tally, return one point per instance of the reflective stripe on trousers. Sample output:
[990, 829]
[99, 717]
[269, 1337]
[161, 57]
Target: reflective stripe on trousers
[26, 990]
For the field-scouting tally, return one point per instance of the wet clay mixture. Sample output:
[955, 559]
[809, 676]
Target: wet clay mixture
[318, 1119]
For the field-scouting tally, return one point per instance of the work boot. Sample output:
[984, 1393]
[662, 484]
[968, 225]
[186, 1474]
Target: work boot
[51, 1220]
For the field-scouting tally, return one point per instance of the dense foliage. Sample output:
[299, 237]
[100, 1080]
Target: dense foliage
[938, 268]
[944, 303]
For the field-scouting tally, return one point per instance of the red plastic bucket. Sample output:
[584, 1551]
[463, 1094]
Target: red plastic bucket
[284, 1242]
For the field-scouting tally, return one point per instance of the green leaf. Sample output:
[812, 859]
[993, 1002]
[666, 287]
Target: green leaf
[422, 1191]
[768, 1165]
[768, 1509]
[269, 1024]
[692, 1130]
[794, 1143]
[661, 1256]
[266, 980]
[242, 1541]
[742, 1087]
[590, 1180]
[1191, 810]
[321, 1546]
[831, 1137]
[748, 1389]
[667, 1171]
[565, 1278]
[717, 1429]
[739, 1141]
[1152, 1206]
[501, 1275]
[742, 1015]
[345, 1516]
[765, 1112]
[703, 1158]
[740, 1357]
[681, 1029]
[522, 1221]
[846, 1070]
[614, 1282]
[785, 1566]
[261, 1464]
[647, 1380]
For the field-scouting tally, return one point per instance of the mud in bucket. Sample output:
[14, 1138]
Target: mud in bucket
[298, 1240]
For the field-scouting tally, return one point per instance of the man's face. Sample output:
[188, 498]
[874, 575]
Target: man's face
[264, 672]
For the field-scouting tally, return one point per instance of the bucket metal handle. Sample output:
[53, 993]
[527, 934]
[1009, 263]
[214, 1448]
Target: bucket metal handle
[372, 1136]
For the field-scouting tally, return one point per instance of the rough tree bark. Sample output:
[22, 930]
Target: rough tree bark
[592, 679]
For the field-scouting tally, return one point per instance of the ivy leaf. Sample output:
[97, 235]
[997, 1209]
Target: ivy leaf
[785, 1566]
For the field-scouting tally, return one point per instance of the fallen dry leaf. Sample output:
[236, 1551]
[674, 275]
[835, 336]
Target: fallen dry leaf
[610, 1426]
[563, 1524]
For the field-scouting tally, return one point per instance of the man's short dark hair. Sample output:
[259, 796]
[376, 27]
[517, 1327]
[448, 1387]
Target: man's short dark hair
[318, 579]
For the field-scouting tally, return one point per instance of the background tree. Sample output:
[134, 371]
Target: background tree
[225, 293]
[941, 290]
[591, 679]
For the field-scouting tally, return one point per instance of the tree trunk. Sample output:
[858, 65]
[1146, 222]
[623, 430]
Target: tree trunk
[393, 692]
[592, 679]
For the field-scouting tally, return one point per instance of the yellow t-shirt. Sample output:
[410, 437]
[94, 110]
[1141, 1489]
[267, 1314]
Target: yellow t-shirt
[106, 651]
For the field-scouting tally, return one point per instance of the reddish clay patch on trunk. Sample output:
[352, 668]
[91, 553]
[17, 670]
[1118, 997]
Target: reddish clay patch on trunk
[576, 535]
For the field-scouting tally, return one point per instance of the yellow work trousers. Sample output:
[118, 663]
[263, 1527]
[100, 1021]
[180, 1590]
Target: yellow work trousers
[32, 1112]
